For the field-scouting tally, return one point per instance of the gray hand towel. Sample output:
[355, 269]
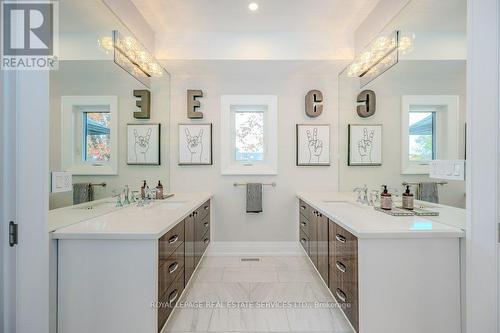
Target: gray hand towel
[82, 192]
[428, 192]
[254, 198]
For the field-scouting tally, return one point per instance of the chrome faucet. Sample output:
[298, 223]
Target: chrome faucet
[126, 193]
[362, 190]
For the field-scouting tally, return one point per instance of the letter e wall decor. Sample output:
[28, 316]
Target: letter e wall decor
[193, 103]
[144, 104]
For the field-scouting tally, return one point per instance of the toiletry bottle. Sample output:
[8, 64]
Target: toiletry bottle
[386, 199]
[159, 191]
[143, 190]
[408, 199]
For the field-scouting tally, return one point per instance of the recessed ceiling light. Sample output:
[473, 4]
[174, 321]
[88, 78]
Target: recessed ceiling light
[253, 6]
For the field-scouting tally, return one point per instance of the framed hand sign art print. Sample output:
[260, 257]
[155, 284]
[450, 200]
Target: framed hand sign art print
[365, 145]
[195, 144]
[313, 145]
[143, 144]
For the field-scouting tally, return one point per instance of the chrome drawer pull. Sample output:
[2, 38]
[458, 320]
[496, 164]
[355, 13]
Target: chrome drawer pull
[340, 266]
[171, 298]
[303, 224]
[172, 268]
[173, 239]
[303, 240]
[206, 207]
[340, 238]
[341, 295]
[303, 207]
[207, 224]
[206, 241]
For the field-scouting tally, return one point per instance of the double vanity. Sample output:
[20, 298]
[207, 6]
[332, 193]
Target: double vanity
[388, 274]
[124, 271]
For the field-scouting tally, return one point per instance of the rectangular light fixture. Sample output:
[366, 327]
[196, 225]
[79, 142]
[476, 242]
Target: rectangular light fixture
[380, 55]
[133, 57]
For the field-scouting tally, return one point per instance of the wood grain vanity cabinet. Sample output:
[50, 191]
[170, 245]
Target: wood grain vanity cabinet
[387, 274]
[118, 274]
[180, 250]
[343, 263]
[334, 252]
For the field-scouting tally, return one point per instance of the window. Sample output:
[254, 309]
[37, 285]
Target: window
[89, 135]
[97, 138]
[429, 131]
[249, 125]
[249, 135]
[422, 136]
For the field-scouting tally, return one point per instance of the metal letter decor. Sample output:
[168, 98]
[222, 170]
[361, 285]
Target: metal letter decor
[144, 104]
[193, 103]
[314, 108]
[367, 109]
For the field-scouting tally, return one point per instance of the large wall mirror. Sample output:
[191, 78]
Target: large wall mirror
[92, 105]
[420, 102]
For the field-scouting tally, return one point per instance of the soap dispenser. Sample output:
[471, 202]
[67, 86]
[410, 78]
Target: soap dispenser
[143, 190]
[159, 191]
[408, 199]
[385, 199]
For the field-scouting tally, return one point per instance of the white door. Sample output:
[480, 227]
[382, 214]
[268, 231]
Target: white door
[483, 140]
[24, 200]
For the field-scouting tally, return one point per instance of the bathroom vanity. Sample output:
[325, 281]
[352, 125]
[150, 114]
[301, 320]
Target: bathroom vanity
[125, 271]
[367, 258]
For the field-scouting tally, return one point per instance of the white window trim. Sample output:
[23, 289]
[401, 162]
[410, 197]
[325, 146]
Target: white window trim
[447, 145]
[270, 164]
[70, 109]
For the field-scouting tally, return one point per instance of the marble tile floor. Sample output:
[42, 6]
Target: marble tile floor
[274, 294]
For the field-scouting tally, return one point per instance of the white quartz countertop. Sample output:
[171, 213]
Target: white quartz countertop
[149, 222]
[365, 222]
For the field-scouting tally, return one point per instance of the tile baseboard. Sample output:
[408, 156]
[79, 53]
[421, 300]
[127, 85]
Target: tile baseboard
[255, 249]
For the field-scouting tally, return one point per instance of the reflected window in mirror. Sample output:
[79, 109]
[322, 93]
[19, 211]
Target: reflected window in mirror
[97, 136]
[429, 131]
[90, 135]
[422, 135]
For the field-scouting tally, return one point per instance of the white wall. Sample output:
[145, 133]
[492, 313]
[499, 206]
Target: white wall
[106, 78]
[127, 12]
[380, 16]
[290, 81]
[406, 78]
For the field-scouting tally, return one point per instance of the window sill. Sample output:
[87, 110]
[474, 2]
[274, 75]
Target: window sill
[92, 170]
[254, 169]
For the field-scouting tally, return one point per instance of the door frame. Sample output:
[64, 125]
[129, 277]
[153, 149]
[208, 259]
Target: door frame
[25, 178]
[483, 148]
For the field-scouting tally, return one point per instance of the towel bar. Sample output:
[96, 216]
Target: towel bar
[245, 184]
[417, 183]
[100, 184]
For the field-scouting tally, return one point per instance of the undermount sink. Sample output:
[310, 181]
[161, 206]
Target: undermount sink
[172, 204]
[96, 205]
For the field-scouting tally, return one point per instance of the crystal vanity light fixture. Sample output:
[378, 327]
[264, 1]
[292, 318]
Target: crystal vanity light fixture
[132, 56]
[379, 56]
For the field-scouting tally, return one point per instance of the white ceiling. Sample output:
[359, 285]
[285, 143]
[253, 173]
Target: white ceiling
[280, 29]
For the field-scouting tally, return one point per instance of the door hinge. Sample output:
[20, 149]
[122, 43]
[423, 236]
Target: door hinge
[12, 234]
